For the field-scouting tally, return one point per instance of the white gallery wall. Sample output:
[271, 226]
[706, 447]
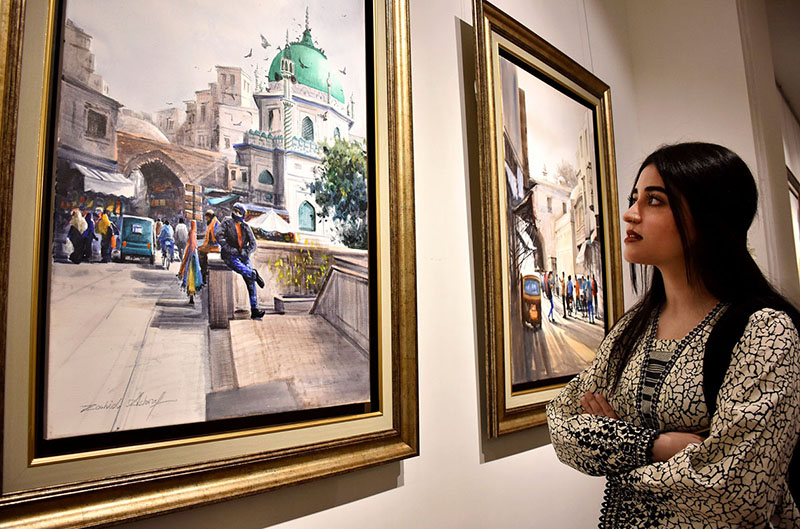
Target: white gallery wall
[791, 138]
[791, 150]
[677, 72]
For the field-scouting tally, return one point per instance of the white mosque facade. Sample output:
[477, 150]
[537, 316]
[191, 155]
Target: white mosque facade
[300, 104]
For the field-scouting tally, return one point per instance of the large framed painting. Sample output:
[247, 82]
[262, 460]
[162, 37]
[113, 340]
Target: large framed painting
[208, 266]
[552, 276]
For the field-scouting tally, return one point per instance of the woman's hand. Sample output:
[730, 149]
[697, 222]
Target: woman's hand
[596, 404]
[668, 444]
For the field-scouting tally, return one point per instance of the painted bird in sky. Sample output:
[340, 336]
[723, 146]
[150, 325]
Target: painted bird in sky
[264, 42]
[249, 53]
[344, 70]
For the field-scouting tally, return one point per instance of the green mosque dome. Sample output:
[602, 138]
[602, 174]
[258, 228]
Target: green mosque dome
[311, 67]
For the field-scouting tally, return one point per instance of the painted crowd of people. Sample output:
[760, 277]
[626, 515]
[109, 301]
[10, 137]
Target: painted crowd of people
[85, 229]
[578, 296]
[232, 238]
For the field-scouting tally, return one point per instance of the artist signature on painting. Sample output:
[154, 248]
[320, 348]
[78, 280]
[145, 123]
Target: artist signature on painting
[140, 401]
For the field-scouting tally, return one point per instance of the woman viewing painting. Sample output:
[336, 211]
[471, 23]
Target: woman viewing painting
[643, 414]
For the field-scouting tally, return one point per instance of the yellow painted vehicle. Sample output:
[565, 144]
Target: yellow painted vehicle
[532, 301]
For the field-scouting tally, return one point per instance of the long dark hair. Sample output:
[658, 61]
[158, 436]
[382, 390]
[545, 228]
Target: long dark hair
[713, 193]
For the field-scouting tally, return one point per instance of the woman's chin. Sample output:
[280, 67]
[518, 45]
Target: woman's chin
[634, 257]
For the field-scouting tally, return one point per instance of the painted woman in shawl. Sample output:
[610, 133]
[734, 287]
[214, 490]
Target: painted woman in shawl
[105, 230]
[88, 236]
[191, 277]
[77, 225]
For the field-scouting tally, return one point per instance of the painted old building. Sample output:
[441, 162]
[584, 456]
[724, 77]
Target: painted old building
[117, 158]
[216, 118]
[551, 201]
[87, 171]
[586, 208]
[168, 121]
[169, 180]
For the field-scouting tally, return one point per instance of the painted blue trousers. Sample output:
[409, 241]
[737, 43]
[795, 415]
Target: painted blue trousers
[241, 265]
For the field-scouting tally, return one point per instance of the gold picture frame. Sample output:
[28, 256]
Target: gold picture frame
[123, 483]
[541, 219]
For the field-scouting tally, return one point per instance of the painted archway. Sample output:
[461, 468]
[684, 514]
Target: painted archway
[159, 186]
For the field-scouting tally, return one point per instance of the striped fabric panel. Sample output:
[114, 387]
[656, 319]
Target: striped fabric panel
[655, 370]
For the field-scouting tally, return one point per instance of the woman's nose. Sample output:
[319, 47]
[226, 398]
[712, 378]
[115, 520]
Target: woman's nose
[632, 215]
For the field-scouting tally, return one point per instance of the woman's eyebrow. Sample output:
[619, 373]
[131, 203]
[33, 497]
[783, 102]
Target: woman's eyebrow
[656, 188]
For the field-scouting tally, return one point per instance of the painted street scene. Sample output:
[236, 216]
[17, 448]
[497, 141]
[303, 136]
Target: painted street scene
[554, 233]
[209, 230]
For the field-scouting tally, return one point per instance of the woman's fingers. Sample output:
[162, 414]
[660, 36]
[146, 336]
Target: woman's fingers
[588, 404]
[594, 405]
[608, 411]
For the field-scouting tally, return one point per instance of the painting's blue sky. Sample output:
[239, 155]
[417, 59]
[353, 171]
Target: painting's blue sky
[152, 52]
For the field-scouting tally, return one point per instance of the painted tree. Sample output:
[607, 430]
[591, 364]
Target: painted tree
[340, 190]
[567, 174]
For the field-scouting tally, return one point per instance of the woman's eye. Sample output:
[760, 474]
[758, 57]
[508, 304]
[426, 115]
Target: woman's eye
[653, 200]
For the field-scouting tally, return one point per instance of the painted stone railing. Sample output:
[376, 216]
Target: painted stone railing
[305, 146]
[262, 139]
[311, 94]
[269, 141]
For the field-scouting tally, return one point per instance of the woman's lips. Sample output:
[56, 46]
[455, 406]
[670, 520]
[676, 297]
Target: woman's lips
[632, 236]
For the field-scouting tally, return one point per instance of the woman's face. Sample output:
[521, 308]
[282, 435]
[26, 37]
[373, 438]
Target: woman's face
[651, 235]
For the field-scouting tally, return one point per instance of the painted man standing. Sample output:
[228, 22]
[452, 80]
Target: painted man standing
[237, 242]
[181, 237]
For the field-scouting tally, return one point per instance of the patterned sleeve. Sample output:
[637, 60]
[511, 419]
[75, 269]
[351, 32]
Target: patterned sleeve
[591, 444]
[736, 477]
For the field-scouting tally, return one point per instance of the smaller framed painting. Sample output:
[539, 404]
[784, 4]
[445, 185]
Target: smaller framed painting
[549, 218]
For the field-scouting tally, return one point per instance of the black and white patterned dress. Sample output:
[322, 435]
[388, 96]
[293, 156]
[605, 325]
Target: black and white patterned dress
[737, 476]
